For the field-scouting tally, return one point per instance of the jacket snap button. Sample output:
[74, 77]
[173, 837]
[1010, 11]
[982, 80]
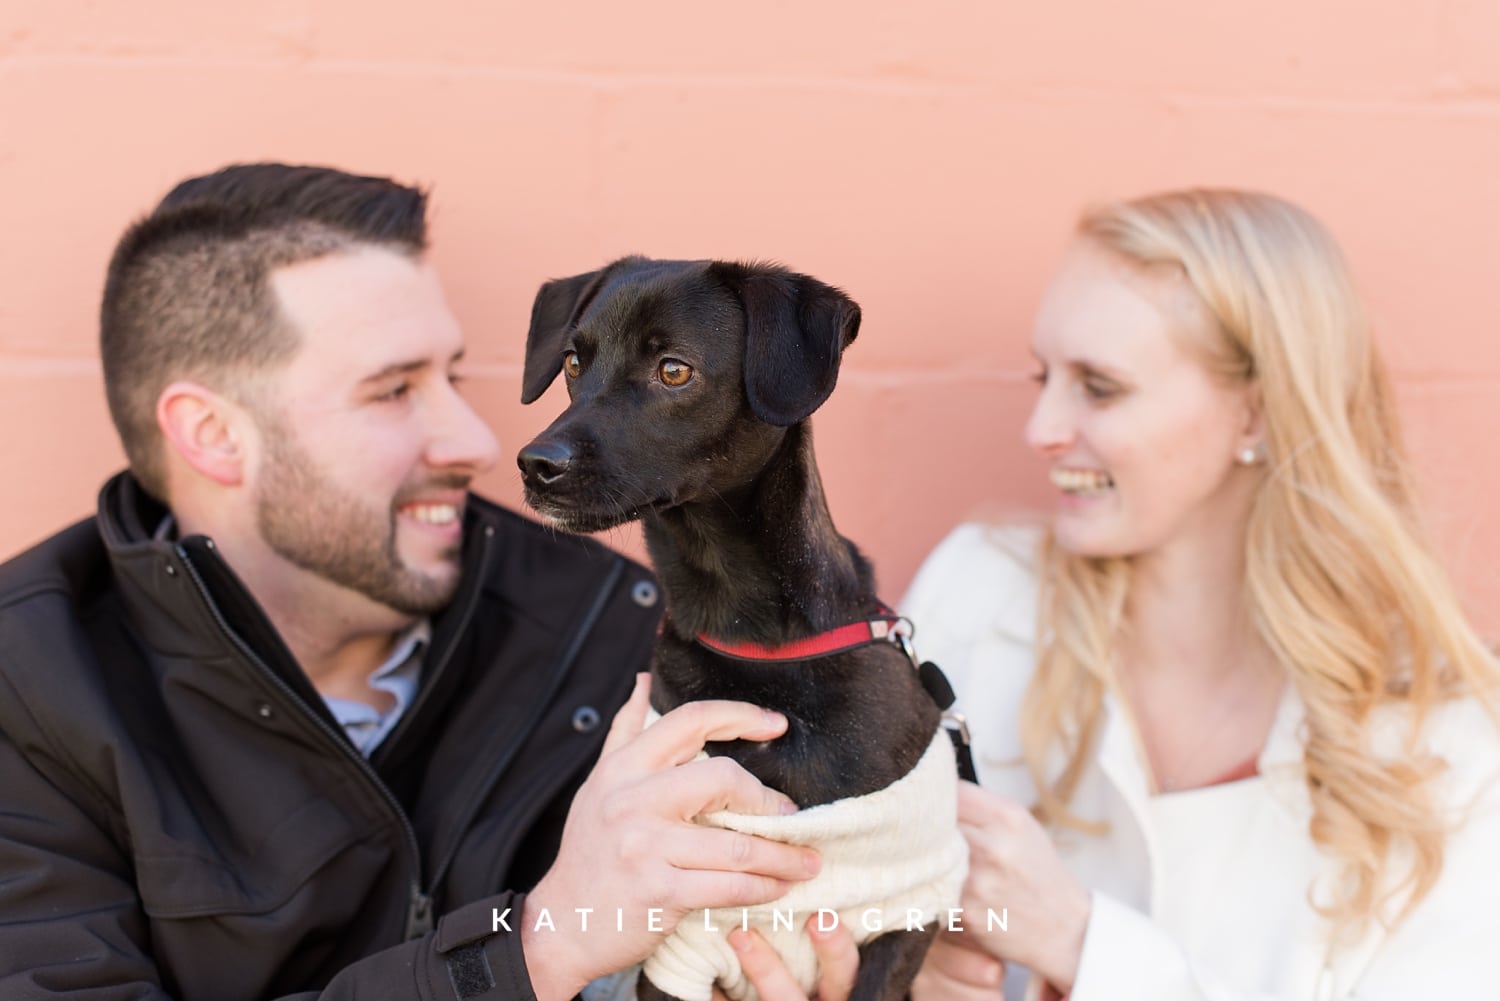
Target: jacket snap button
[585, 719]
[644, 593]
[263, 710]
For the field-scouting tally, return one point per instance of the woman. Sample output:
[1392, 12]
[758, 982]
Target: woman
[1234, 736]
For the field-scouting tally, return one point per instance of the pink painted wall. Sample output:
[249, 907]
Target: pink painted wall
[928, 157]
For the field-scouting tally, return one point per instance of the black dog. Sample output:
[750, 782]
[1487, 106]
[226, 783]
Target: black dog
[691, 383]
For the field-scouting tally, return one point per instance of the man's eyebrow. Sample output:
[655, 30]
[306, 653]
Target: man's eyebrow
[406, 368]
[398, 368]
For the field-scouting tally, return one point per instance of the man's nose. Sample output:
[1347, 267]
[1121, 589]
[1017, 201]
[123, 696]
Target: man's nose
[461, 437]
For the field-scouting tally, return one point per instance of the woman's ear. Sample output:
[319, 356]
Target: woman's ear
[1252, 438]
[205, 429]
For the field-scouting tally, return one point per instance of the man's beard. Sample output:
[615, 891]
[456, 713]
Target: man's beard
[313, 524]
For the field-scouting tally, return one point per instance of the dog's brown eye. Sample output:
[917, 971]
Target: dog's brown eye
[674, 373]
[571, 365]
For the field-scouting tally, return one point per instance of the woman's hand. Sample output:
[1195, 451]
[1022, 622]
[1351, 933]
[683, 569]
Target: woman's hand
[838, 959]
[1013, 864]
[955, 970]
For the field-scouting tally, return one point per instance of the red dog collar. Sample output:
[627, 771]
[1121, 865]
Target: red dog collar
[887, 627]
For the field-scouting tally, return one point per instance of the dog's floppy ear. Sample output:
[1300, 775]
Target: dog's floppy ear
[796, 329]
[556, 309]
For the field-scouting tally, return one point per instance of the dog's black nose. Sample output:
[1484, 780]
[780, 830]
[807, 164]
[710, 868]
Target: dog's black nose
[545, 461]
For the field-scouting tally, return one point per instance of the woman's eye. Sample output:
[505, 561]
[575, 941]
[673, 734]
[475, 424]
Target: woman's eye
[1098, 390]
[571, 365]
[674, 373]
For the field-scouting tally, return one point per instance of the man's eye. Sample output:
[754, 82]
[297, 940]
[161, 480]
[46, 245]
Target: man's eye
[572, 367]
[395, 392]
[674, 373]
[1039, 377]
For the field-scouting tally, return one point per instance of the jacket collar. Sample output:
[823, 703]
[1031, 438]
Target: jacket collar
[128, 516]
[187, 601]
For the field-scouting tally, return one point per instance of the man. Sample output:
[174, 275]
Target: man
[297, 714]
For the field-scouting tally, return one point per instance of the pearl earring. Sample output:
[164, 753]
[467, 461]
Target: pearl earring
[1248, 457]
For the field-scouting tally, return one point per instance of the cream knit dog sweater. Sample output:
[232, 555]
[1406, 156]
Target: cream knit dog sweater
[891, 859]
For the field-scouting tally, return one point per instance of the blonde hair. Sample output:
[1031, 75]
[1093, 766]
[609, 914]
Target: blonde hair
[1340, 581]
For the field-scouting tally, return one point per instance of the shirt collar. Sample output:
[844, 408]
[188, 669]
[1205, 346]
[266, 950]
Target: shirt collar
[406, 647]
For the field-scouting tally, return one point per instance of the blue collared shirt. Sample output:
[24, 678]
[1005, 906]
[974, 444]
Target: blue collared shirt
[399, 675]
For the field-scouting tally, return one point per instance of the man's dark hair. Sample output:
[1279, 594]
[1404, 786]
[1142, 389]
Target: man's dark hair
[188, 292]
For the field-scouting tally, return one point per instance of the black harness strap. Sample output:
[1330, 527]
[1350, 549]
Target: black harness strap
[941, 692]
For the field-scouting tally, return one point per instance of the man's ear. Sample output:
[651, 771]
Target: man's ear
[205, 429]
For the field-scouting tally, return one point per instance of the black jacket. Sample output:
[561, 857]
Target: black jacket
[180, 815]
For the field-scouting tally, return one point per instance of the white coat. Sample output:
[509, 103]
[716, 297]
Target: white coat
[1205, 894]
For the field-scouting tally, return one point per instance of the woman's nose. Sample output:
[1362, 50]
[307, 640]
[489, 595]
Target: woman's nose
[1049, 429]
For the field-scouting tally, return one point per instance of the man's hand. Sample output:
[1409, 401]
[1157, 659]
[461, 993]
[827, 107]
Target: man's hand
[838, 962]
[631, 852]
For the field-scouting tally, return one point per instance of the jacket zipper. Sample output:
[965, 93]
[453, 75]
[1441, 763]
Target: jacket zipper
[502, 760]
[419, 902]
[430, 671]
